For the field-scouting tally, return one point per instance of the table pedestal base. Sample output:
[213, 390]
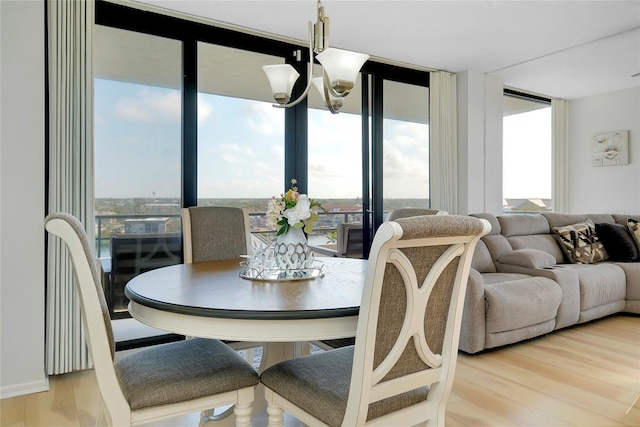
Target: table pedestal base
[272, 353]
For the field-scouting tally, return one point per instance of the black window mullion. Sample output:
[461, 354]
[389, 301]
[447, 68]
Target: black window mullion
[189, 123]
[367, 235]
[295, 137]
[377, 151]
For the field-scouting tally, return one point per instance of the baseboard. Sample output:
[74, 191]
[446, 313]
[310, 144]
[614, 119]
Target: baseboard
[24, 388]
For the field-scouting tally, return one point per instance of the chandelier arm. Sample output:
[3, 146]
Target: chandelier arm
[327, 98]
[306, 90]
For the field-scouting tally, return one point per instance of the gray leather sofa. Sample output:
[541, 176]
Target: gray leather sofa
[522, 284]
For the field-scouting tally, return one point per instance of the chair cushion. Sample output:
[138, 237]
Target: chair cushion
[318, 383]
[182, 371]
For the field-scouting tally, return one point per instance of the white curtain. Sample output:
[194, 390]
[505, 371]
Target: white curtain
[443, 135]
[560, 155]
[70, 28]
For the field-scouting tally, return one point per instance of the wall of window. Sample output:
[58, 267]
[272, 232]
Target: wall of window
[527, 154]
[236, 149]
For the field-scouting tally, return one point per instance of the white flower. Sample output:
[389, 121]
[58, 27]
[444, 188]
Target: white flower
[274, 212]
[300, 212]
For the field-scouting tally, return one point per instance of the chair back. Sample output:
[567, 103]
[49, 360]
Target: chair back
[409, 322]
[95, 314]
[408, 212]
[135, 253]
[214, 233]
[350, 239]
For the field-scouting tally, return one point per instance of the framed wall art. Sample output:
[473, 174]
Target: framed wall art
[610, 148]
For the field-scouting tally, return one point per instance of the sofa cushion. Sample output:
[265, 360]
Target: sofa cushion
[542, 242]
[556, 219]
[617, 241]
[491, 278]
[519, 303]
[523, 225]
[623, 218]
[634, 228]
[600, 284]
[528, 258]
[481, 260]
[580, 243]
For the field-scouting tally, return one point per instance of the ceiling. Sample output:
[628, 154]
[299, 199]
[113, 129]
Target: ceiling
[559, 49]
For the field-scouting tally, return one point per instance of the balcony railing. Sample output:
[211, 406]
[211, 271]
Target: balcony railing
[108, 224]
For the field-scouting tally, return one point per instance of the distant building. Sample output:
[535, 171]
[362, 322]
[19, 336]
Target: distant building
[146, 225]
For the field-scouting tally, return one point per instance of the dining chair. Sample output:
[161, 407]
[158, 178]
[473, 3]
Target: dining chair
[215, 232]
[160, 382]
[212, 233]
[407, 212]
[401, 368]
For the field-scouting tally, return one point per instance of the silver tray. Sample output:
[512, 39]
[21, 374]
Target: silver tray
[281, 275]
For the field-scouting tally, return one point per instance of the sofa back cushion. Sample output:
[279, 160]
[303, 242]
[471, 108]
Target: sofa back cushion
[481, 260]
[560, 220]
[530, 231]
[624, 218]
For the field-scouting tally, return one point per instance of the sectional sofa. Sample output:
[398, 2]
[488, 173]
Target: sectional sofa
[535, 273]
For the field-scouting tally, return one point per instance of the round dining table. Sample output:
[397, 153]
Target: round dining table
[213, 300]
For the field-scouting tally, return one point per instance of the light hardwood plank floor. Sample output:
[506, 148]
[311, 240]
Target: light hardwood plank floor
[584, 376]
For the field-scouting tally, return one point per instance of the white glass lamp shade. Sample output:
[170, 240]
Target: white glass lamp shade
[334, 103]
[342, 67]
[281, 77]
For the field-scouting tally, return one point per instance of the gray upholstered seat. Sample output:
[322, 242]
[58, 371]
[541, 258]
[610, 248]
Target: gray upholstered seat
[400, 371]
[186, 370]
[160, 382]
[215, 232]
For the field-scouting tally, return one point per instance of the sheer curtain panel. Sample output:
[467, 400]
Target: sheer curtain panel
[70, 159]
[444, 141]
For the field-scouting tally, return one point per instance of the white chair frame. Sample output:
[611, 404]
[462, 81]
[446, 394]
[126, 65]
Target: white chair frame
[117, 410]
[366, 386]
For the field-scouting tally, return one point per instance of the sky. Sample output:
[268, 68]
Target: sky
[241, 149]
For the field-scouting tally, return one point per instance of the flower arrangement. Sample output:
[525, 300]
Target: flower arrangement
[292, 209]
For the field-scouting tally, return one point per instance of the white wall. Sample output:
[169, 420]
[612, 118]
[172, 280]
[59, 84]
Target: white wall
[22, 276]
[479, 100]
[606, 189]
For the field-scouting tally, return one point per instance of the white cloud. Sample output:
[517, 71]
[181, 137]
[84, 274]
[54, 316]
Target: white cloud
[229, 158]
[264, 119]
[205, 110]
[237, 148]
[150, 107]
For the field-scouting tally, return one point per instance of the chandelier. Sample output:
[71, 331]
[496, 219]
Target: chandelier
[340, 69]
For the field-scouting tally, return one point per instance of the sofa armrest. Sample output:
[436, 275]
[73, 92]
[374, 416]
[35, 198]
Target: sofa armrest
[473, 328]
[566, 278]
[528, 258]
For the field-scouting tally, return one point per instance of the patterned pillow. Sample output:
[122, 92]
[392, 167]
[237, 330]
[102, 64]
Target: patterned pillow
[580, 243]
[634, 228]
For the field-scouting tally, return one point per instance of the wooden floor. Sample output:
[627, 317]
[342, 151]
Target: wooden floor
[586, 376]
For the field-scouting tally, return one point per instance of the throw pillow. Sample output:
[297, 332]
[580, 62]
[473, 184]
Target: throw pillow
[580, 243]
[634, 228]
[618, 242]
